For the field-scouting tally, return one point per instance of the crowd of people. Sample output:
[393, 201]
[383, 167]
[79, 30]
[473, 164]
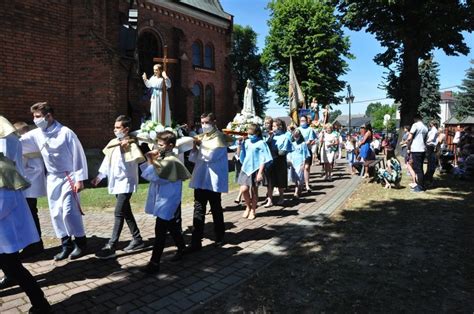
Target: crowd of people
[49, 160]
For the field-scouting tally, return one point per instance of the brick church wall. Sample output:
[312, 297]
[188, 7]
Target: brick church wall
[66, 53]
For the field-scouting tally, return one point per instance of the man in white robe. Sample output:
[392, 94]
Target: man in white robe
[155, 83]
[66, 168]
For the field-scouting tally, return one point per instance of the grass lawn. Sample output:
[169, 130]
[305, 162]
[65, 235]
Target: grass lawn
[98, 199]
[383, 251]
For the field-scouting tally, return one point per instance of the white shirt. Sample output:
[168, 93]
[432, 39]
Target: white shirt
[122, 176]
[419, 131]
[432, 138]
[10, 146]
[61, 150]
[211, 169]
[164, 196]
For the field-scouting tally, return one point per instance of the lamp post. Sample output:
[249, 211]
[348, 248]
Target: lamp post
[349, 101]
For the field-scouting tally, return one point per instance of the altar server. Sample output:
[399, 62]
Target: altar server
[120, 166]
[209, 179]
[66, 166]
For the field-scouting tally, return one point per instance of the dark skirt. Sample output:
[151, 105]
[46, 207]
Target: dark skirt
[279, 172]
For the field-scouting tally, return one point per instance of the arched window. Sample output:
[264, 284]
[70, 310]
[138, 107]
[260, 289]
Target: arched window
[197, 101]
[209, 99]
[209, 56]
[197, 54]
[149, 47]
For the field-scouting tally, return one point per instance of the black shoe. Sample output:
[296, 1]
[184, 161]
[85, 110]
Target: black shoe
[151, 268]
[134, 245]
[32, 250]
[80, 244]
[66, 248]
[178, 256]
[108, 251]
[66, 251]
[191, 249]
[6, 282]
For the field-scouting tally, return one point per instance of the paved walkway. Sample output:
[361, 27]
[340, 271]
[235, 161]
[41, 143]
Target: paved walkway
[92, 285]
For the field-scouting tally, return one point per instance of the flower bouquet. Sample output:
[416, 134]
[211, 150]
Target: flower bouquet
[239, 125]
[317, 126]
[150, 129]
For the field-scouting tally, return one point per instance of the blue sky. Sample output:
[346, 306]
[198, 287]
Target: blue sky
[364, 75]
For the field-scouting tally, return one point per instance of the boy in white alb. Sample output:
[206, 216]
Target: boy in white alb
[120, 165]
[66, 167]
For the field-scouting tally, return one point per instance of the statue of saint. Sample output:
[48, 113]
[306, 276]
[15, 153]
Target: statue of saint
[155, 83]
[248, 108]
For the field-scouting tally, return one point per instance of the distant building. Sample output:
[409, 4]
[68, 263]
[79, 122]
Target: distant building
[446, 104]
[357, 120]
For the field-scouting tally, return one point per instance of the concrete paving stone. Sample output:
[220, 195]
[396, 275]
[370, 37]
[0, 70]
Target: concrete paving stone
[173, 309]
[160, 304]
[12, 304]
[178, 295]
[198, 285]
[199, 296]
[232, 279]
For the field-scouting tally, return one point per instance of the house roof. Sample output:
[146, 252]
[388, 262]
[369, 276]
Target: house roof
[467, 120]
[213, 7]
[447, 96]
[452, 120]
[356, 120]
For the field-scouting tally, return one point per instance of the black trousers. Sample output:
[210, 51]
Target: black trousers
[201, 197]
[161, 228]
[431, 158]
[418, 159]
[13, 269]
[123, 212]
[33, 205]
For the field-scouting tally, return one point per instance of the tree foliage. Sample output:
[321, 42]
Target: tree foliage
[377, 117]
[409, 30]
[373, 106]
[333, 115]
[465, 98]
[246, 64]
[308, 31]
[429, 107]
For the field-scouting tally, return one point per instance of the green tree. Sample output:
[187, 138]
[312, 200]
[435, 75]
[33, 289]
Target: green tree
[465, 98]
[409, 30]
[246, 64]
[429, 107]
[377, 117]
[373, 106]
[308, 31]
[334, 114]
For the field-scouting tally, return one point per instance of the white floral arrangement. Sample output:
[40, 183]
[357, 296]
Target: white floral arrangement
[241, 122]
[150, 129]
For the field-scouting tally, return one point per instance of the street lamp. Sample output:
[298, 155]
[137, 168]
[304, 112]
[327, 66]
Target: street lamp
[349, 101]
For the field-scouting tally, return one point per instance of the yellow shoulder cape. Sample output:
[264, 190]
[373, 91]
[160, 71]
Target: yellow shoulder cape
[171, 168]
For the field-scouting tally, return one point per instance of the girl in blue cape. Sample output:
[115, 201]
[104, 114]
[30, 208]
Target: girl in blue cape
[279, 145]
[253, 154]
[297, 160]
[309, 137]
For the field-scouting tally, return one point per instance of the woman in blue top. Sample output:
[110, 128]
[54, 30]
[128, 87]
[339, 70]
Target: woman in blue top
[297, 159]
[309, 137]
[278, 171]
[365, 152]
[253, 154]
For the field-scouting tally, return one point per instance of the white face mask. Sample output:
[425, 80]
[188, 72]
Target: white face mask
[41, 123]
[119, 134]
[206, 128]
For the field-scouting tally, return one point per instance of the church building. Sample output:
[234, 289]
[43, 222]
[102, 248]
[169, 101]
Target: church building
[86, 58]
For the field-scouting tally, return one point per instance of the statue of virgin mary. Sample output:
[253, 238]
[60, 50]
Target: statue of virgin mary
[248, 108]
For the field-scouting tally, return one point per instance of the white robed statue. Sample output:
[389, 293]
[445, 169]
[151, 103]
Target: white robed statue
[248, 109]
[155, 83]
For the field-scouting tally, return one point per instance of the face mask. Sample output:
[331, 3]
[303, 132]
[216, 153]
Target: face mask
[119, 134]
[41, 123]
[253, 138]
[304, 125]
[206, 128]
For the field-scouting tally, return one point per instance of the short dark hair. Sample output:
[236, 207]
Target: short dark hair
[43, 107]
[417, 117]
[167, 136]
[209, 115]
[434, 123]
[125, 120]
